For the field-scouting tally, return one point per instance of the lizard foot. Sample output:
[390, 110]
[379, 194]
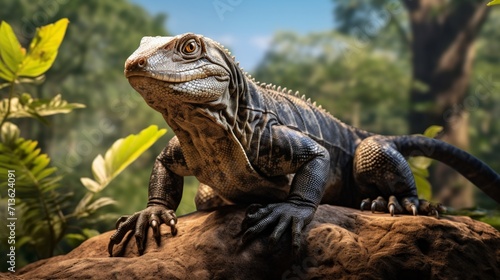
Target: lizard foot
[152, 216]
[408, 205]
[380, 204]
[430, 209]
[279, 216]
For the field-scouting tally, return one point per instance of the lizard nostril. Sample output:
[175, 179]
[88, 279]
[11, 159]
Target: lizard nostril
[141, 63]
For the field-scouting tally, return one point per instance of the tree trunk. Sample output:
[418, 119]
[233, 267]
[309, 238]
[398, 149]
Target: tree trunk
[443, 52]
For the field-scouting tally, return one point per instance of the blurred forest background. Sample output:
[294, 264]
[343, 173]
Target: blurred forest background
[391, 67]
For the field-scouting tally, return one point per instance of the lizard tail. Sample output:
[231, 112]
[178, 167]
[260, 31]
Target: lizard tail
[476, 171]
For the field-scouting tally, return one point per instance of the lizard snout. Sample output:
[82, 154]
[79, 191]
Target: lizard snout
[135, 65]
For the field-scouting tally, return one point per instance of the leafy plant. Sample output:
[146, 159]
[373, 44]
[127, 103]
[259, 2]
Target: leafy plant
[36, 181]
[420, 167]
[20, 66]
[46, 212]
[104, 169]
[494, 2]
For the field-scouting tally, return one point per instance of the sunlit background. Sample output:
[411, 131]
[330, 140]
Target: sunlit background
[247, 27]
[352, 57]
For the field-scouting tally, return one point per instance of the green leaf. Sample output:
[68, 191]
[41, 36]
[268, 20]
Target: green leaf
[433, 130]
[75, 237]
[99, 170]
[9, 134]
[424, 188]
[423, 172]
[420, 86]
[124, 151]
[3, 85]
[81, 208]
[11, 53]
[121, 154]
[90, 184]
[26, 106]
[100, 202]
[420, 163]
[419, 166]
[43, 49]
[494, 2]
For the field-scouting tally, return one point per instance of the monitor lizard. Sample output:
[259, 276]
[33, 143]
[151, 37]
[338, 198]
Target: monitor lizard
[260, 145]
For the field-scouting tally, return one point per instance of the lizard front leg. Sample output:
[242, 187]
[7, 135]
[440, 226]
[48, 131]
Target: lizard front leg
[290, 152]
[164, 196]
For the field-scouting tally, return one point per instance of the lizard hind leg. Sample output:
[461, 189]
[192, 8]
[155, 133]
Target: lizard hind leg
[384, 178]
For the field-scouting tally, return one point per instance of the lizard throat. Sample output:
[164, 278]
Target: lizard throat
[160, 94]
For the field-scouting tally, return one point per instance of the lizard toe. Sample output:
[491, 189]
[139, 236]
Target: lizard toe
[394, 206]
[430, 209]
[365, 204]
[123, 225]
[410, 204]
[379, 205]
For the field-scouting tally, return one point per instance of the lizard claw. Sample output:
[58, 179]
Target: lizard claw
[414, 209]
[152, 216]
[173, 229]
[365, 203]
[280, 216]
[121, 220]
[394, 206]
[379, 204]
[391, 209]
[110, 248]
[411, 204]
[435, 212]
[430, 208]
[154, 224]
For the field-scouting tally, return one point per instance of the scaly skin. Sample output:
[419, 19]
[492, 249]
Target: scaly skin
[252, 144]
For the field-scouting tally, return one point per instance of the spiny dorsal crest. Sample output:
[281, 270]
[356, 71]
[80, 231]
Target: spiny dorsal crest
[284, 90]
[269, 86]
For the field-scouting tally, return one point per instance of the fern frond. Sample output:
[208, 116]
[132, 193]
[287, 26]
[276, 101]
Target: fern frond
[35, 184]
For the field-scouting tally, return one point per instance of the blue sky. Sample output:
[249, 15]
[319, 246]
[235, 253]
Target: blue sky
[244, 26]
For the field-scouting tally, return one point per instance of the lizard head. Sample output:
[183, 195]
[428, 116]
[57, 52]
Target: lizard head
[186, 68]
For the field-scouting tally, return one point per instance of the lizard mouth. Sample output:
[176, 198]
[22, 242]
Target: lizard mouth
[188, 75]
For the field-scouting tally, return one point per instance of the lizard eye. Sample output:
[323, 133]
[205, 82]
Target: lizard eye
[190, 47]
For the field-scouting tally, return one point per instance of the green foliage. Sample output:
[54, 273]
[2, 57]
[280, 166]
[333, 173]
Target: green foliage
[89, 70]
[346, 76]
[104, 169]
[494, 2]
[36, 181]
[36, 185]
[420, 167]
[492, 219]
[16, 62]
[26, 106]
[121, 154]
[49, 218]
[40, 204]
[483, 102]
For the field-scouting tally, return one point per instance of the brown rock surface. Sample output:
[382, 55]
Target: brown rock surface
[339, 243]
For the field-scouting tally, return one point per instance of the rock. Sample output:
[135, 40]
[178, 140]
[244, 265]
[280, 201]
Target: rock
[338, 243]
